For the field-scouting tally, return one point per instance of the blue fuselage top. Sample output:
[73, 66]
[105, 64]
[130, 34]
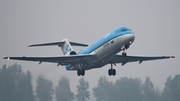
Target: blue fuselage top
[113, 34]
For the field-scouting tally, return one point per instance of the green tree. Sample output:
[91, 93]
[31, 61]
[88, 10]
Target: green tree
[128, 89]
[63, 91]
[44, 89]
[82, 90]
[104, 91]
[171, 91]
[29, 88]
[24, 91]
[150, 93]
[167, 94]
[14, 84]
[7, 86]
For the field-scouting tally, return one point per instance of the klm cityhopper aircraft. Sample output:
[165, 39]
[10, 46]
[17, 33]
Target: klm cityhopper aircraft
[96, 55]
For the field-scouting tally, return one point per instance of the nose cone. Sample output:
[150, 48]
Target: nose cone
[131, 38]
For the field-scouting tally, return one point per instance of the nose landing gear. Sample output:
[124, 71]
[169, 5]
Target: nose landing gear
[124, 49]
[124, 54]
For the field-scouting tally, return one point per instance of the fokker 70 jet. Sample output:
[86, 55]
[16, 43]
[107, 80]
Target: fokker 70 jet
[96, 55]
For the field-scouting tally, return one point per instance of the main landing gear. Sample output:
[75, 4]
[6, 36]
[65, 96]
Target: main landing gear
[80, 72]
[112, 71]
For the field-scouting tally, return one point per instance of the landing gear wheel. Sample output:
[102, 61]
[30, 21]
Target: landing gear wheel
[80, 72]
[110, 72]
[113, 72]
[124, 54]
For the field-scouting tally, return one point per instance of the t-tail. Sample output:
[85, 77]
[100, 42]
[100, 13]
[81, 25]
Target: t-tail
[65, 45]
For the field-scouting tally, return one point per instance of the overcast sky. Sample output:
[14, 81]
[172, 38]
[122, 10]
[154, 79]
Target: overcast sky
[156, 24]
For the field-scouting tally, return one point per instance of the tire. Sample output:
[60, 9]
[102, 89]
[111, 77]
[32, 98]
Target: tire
[78, 72]
[82, 72]
[114, 72]
[109, 72]
[124, 54]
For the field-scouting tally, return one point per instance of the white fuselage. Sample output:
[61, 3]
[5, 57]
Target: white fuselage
[105, 52]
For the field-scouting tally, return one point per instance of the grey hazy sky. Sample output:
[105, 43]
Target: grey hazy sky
[154, 22]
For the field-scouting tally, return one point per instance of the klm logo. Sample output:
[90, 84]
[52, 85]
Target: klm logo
[67, 48]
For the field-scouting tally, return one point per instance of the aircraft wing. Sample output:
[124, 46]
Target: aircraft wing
[140, 59]
[61, 60]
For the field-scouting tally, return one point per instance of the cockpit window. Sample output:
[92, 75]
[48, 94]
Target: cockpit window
[118, 31]
[123, 30]
[129, 29]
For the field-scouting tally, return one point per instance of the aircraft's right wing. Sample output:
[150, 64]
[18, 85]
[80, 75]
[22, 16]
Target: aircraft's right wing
[140, 59]
[62, 60]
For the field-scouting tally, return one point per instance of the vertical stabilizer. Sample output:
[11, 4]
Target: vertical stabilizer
[66, 47]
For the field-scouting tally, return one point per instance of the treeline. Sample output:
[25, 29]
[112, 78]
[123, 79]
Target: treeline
[16, 85]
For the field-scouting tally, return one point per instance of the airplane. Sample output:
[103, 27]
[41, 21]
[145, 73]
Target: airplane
[96, 55]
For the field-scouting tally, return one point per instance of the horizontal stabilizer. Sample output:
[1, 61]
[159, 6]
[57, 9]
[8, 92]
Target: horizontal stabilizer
[59, 44]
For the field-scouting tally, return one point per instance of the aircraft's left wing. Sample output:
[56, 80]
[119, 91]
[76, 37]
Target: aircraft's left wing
[62, 60]
[140, 59]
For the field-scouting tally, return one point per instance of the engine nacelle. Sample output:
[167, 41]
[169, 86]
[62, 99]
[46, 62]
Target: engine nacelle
[71, 53]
